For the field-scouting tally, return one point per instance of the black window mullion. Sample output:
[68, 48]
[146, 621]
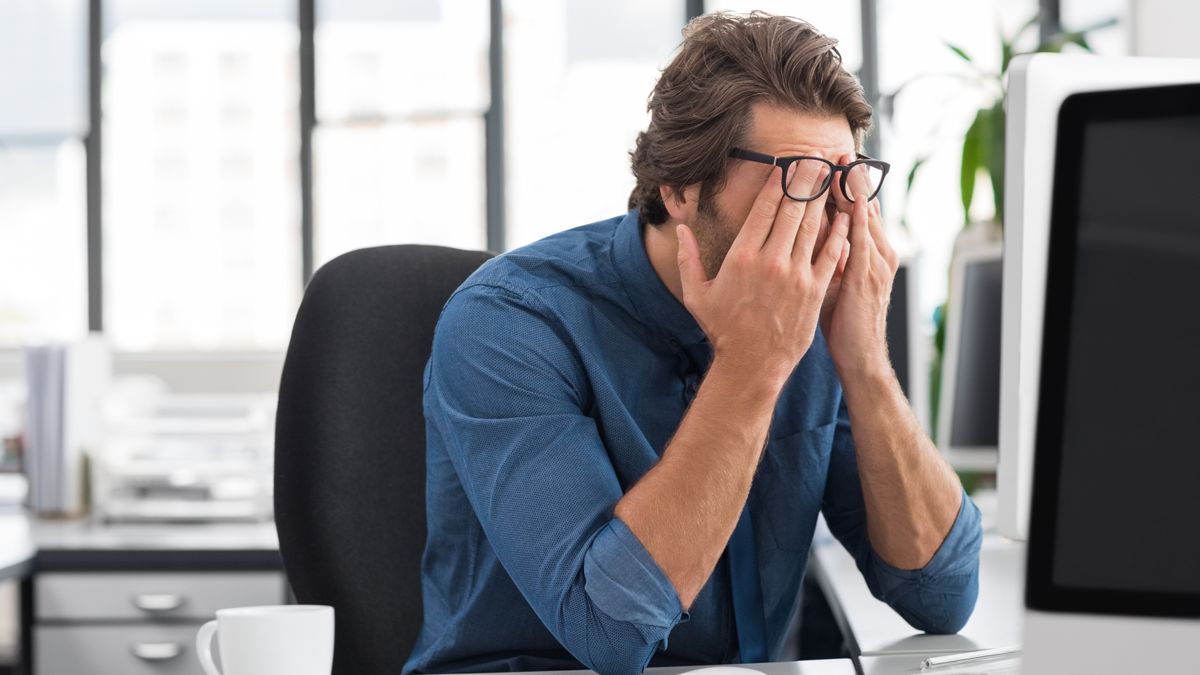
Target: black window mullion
[1049, 18]
[308, 122]
[868, 73]
[92, 149]
[493, 122]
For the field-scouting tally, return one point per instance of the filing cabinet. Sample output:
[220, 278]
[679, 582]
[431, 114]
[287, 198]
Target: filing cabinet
[105, 599]
[127, 623]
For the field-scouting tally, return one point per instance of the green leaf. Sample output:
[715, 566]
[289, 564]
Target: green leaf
[1100, 25]
[1056, 43]
[959, 50]
[995, 159]
[971, 161]
[912, 173]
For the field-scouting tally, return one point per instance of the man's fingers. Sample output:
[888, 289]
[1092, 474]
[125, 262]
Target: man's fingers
[833, 252]
[803, 180]
[810, 223]
[762, 214]
[839, 198]
[858, 179]
[826, 228]
[860, 242]
[691, 272]
[879, 234]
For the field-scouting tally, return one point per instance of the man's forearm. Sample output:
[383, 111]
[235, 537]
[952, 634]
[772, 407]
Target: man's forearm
[686, 507]
[912, 495]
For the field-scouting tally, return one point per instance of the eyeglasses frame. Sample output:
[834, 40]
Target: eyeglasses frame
[785, 162]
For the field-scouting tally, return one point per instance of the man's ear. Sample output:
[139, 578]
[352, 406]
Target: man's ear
[681, 205]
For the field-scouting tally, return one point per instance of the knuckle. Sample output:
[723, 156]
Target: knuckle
[792, 210]
[742, 258]
[774, 268]
[810, 225]
[765, 209]
[834, 251]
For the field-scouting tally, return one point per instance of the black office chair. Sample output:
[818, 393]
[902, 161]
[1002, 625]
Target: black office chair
[350, 445]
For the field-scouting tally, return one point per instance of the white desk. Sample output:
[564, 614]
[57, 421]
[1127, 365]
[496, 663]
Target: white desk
[77, 578]
[874, 630]
[910, 664]
[17, 547]
[827, 667]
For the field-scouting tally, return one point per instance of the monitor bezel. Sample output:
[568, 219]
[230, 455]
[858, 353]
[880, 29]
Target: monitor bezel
[962, 457]
[1041, 591]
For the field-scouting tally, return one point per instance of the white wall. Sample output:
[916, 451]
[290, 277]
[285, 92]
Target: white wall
[1165, 28]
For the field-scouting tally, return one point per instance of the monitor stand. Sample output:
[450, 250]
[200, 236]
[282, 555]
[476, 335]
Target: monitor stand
[1056, 643]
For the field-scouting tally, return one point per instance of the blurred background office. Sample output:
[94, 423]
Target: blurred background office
[172, 173]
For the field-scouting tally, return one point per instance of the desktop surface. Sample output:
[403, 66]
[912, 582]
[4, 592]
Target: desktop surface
[876, 630]
[822, 667]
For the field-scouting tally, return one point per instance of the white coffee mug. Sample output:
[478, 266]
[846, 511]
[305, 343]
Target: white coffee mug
[270, 640]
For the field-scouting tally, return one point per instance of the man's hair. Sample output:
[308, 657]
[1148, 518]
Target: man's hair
[700, 106]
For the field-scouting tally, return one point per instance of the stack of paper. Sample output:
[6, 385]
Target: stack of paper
[65, 384]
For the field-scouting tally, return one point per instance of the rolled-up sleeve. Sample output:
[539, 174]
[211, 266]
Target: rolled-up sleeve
[939, 597]
[506, 394]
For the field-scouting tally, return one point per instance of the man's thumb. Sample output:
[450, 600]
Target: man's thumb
[691, 272]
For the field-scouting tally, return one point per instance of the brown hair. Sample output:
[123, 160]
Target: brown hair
[700, 106]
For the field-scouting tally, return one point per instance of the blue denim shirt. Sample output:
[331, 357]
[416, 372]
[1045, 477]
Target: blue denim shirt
[559, 372]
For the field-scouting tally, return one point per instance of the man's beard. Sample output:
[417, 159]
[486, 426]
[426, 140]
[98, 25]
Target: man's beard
[715, 233]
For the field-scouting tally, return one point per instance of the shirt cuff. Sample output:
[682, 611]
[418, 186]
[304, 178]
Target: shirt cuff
[623, 581]
[958, 553]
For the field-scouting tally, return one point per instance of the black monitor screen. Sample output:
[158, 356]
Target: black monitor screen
[1119, 420]
[897, 329]
[976, 420]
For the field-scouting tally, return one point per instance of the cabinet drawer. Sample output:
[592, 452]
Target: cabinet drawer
[113, 650]
[138, 597]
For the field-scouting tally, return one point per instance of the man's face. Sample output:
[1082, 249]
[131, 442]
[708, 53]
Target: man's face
[774, 131]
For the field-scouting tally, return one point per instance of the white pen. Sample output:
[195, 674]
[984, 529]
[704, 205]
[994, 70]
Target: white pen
[966, 657]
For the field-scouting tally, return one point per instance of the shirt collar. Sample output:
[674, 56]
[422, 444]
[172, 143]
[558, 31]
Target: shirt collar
[652, 300]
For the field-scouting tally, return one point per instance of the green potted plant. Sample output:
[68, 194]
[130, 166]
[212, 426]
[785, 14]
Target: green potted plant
[982, 150]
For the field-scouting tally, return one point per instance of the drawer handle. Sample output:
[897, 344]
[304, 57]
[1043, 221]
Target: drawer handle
[158, 602]
[157, 651]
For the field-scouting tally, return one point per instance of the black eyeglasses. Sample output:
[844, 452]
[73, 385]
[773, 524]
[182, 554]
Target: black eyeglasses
[867, 170]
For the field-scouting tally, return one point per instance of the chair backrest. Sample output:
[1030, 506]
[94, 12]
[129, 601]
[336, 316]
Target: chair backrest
[350, 445]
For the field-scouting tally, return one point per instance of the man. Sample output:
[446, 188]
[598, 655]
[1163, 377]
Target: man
[633, 425]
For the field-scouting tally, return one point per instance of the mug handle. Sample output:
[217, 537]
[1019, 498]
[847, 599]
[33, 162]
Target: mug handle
[204, 647]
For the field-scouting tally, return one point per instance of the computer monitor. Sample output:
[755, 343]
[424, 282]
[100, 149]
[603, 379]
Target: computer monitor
[969, 397]
[1037, 85]
[906, 339]
[1112, 583]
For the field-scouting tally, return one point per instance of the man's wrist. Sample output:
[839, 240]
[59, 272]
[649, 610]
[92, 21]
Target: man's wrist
[866, 372]
[757, 377]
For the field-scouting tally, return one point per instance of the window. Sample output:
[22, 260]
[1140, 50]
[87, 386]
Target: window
[43, 227]
[201, 174]
[839, 20]
[398, 152]
[932, 114]
[578, 75]
[1111, 41]
[43, 223]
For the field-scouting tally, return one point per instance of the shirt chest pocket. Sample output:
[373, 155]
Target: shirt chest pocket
[790, 485]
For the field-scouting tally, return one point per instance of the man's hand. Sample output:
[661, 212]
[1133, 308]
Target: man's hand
[854, 318]
[761, 309]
